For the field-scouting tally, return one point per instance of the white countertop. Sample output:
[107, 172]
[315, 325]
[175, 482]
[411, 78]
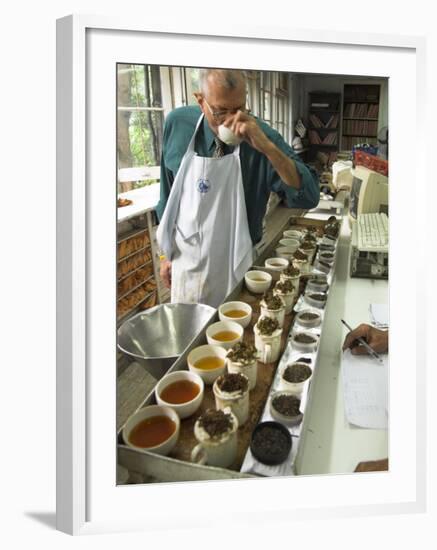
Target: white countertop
[143, 199]
[329, 443]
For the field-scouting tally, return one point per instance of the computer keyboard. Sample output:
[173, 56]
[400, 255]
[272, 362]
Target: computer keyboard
[372, 232]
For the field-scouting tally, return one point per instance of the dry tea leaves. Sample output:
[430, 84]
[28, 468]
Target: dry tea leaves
[288, 405]
[303, 338]
[309, 316]
[318, 297]
[272, 301]
[215, 423]
[267, 326]
[291, 271]
[327, 255]
[232, 382]
[270, 445]
[318, 279]
[285, 287]
[243, 353]
[296, 372]
[299, 255]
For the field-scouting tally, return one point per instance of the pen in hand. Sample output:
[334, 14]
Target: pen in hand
[363, 342]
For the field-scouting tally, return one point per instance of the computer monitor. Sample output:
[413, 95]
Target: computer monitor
[369, 192]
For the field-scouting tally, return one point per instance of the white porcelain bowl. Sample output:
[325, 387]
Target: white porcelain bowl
[244, 321]
[323, 268]
[327, 257]
[224, 326]
[166, 446]
[309, 299]
[276, 264]
[304, 347]
[308, 323]
[326, 248]
[290, 243]
[285, 252]
[315, 285]
[329, 239]
[258, 281]
[284, 419]
[183, 409]
[292, 234]
[207, 375]
[228, 136]
[295, 388]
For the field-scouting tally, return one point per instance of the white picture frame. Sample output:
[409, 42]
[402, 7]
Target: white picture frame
[87, 499]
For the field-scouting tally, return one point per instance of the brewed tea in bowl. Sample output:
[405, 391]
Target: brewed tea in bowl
[239, 312]
[258, 281]
[224, 333]
[180, 390]
[154, 428]
[208, 362]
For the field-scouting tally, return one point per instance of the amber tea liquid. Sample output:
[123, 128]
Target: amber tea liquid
[152, 431]
[209, 363]
[179, 392]
[225, 336]
[235, 313]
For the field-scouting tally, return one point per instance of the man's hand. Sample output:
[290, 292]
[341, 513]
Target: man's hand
[165, 272]
[377, 340]
[245, 127]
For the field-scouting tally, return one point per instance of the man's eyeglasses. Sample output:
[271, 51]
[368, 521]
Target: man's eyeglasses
[219, 116]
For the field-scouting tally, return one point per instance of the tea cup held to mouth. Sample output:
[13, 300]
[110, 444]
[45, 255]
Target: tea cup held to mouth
[227, 135]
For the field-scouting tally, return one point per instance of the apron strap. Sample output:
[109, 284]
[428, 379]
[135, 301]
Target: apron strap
[190, 147]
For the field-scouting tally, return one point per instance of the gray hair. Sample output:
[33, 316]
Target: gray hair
[227, 78]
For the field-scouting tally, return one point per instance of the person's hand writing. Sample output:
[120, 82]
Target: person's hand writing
[165, 272]
[377, 340]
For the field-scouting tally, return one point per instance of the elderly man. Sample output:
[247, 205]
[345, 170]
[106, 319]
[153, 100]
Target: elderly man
[214, 196]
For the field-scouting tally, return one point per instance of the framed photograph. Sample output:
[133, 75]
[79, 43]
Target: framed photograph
[116, 82]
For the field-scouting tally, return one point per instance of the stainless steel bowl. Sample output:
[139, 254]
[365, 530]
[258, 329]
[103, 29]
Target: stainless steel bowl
[156, 337]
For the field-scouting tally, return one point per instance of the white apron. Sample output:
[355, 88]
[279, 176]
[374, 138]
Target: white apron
[204, 229]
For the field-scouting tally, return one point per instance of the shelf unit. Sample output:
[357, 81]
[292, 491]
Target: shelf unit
[323, 124]
[137, 266]
[360, 114]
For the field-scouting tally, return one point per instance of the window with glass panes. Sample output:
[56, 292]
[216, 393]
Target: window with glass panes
[146, 93]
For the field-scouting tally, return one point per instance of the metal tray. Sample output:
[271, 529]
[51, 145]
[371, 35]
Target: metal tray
[172, 468]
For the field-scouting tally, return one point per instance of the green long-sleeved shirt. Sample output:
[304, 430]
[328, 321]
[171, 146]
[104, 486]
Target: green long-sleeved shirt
[259, 176]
